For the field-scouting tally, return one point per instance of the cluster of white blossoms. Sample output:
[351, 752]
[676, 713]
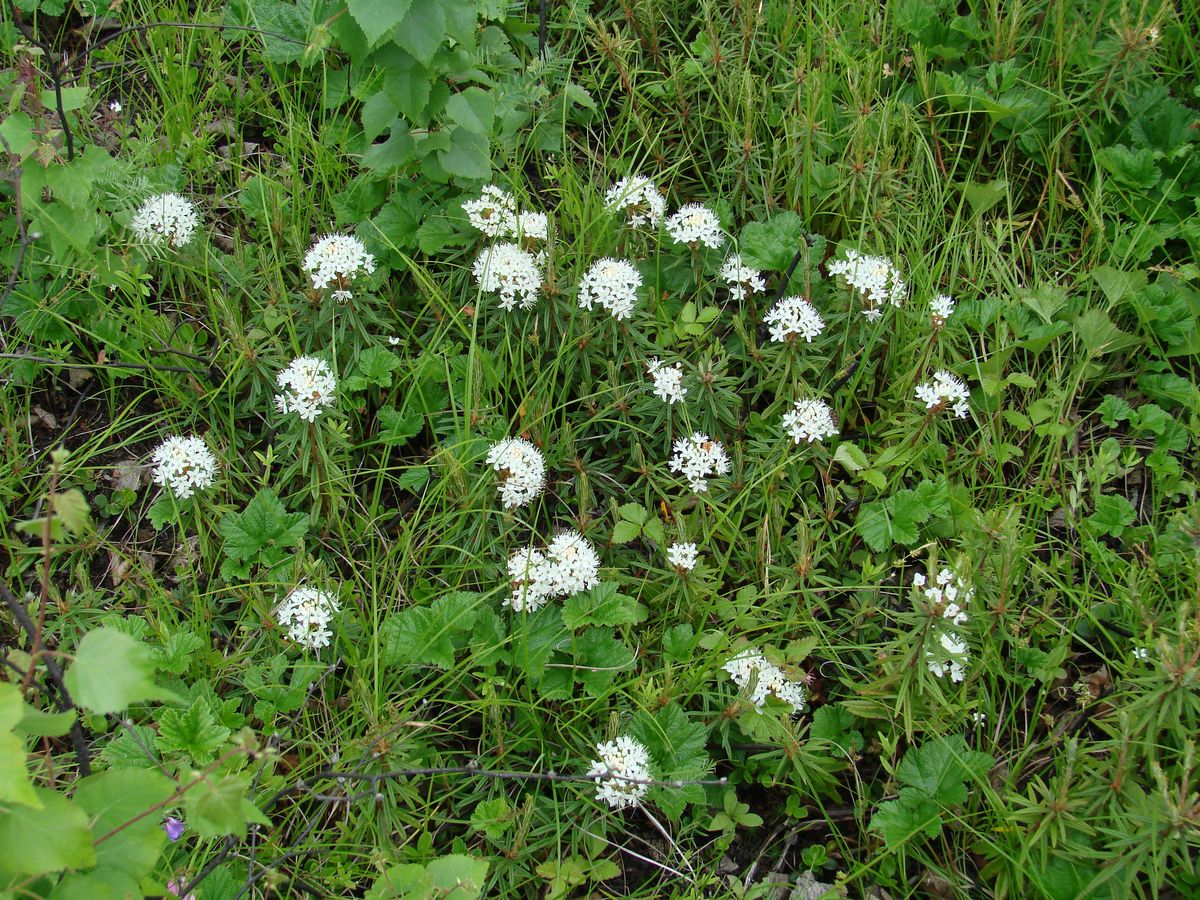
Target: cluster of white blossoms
[742, 279]
[511, 272]
[612, 283]
[874, 277]
[337, 259]
[699, 458]
[522, 470]
[165, 219]
[945, 390]
[810, 420]
[494, 212]
[751, 672]
[941, 308]
[638, 196]
[668, 380]
[794, 317]
[306, 613]
[569, 565]
[683, 556]
[184, 465]
[947, 598]
[695, 223]
[622, 772]
[307, 387]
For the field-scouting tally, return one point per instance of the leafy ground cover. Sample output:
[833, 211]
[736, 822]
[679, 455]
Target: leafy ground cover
[566, 561]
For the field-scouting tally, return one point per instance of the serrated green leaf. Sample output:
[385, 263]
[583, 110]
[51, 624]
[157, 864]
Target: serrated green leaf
[939, 767]
[602, 605]
[218, 806]
[772, 244]
[534, 638]
[176, 656]
[834, 723]
[468, 155]
[15, 783]
[677, 642]
[492, 817]
[193, 732]
[874, 526]
[36, 723]
[377, 17]
[132, 748]
[1112, 515]
[112, 671]
[624, 532]
[429, 635]
[473, 109]
[901, 820]
[632, 512]
[395, 429]
[423, 29]
[599, 657]
[263, 524]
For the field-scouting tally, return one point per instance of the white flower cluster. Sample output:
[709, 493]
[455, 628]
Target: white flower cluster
[695, 223]
[699, 458]
[337, 259]
[307, 386]
[794, 317]
[683, 556]
[668, 380]
[306, 613]
[751, 672]
[945, 390]
[165, 218]
[494, 212]
[639, 198]
[622, 772]
[947, 596]
[569, 565]
[875, 277]
[511, 272]
[613, 283]
[941, 308]
[522, 470]
[184, 465]
[810, 420]
[742, 279]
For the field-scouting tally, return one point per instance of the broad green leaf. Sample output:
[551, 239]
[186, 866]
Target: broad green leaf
[492, 817]
[834, 723]
[632, 512]
[468, 155]
[15, 784]
[423, 29]
[51, 838]
[1113, 514]
[982, 197]
[602, 605]
[115, 798]
[377, 17]
[219, 806]
[378, 113]
[1118, 285]
[534, 638]
[458, 877]
[624, 532]
[473, 109]
[102, 883]
[36, 723]
[901, 820]
[772, 244]
[264, 523]
[874, 526]
[111, 671]
[940, 766]
[17, 131]
[599, 658]
[395, 429]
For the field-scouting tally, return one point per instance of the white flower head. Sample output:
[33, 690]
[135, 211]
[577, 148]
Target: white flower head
[751, 672]
[742, 279]
[165, 219]
[533, 226]
[876, 278]
[948, 598]
[699, 458]
[611, 283]
[522, 470]
[1140, 654]
[951, 658]
[810, 420]
[306, 613]
[529, 574]
[511, 272]
[307, 387]
[575, 564]
[639, 198]
[683, 556]
[941, 308]
[184, 465]
[668, 380]
[944, 391]
[569, 565]
[494, 212]
[622, 772]
[794, 317]
[337, 259]
[695, 223]
[115, 107]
